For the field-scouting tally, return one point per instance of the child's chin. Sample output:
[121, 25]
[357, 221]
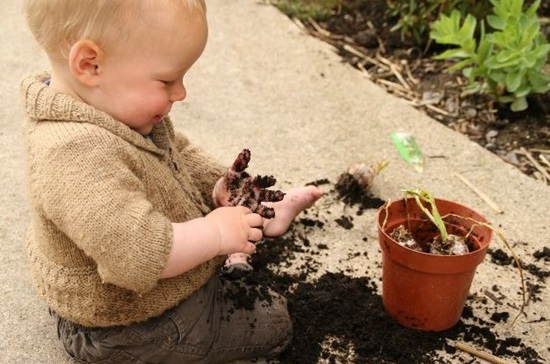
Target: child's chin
[158, 119]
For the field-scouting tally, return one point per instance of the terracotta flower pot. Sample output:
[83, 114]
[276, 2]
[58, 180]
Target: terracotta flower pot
[425, 291]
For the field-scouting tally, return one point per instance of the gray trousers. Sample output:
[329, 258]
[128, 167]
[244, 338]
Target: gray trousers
[208, 327]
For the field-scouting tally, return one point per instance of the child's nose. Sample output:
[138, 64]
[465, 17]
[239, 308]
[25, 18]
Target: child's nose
[178, 92]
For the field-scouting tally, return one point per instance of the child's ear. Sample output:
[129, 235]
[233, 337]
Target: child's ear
[85, 60]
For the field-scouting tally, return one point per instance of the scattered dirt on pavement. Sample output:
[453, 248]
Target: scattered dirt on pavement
[340, 318]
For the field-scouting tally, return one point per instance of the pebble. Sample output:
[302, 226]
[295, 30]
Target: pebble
[491, 134]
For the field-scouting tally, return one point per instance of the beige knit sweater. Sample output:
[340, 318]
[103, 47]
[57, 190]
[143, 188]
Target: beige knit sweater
[102, 201]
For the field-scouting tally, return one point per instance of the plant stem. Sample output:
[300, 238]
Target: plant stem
[424, 196]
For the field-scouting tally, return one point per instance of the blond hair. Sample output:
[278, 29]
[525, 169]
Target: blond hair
[57, 24]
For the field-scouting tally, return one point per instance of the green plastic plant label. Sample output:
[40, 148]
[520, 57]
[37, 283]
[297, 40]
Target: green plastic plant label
[409, 149]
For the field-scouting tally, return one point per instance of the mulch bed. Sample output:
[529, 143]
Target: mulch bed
[360, 31]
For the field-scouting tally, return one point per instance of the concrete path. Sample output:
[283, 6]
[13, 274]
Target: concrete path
[265, 85]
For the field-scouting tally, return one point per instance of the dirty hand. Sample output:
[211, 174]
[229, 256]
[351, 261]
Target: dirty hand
[238, 188]
[237, 228]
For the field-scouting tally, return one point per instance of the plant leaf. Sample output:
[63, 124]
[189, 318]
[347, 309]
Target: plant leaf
[468, 28]
[540, 82]
[484, 50]
[495, 22]
[513, 79]
[540, 51]
[493, 63]
[460, 65]
[452, 53]
[523, 90]
[519, 104]
[532, 10]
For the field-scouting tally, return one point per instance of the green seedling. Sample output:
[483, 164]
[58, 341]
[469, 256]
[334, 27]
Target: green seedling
[421, 197]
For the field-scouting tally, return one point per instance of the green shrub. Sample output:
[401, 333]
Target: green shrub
[506, 63]
[414, 17]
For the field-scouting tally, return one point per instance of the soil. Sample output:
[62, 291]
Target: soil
[453, 245]
[360, 31]
[339, 317]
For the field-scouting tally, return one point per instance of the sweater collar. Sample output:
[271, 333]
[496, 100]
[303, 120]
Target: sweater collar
[42, 103]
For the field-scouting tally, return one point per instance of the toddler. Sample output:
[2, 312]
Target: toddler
[129, 221]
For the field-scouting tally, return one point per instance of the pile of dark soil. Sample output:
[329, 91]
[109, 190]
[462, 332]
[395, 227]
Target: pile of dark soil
[339, 318]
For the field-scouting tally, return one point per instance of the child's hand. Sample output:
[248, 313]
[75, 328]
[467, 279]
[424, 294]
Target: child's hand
[238, 229]
[238, 188]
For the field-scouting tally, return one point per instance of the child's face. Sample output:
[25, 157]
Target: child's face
[141, 80]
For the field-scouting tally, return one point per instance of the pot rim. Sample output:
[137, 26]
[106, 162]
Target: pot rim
[423, 261]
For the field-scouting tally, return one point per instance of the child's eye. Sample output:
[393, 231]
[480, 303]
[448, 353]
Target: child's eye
[166, 82]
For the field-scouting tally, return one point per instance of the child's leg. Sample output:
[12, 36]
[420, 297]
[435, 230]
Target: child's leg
[214, 325]
[296, 200]
[255, 323]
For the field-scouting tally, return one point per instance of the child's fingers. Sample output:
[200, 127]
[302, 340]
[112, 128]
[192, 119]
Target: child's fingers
[254, 220]
[250, 248]
[263, 181]
[255, 235]
[265, 211]
[241, 162]
[271, 196]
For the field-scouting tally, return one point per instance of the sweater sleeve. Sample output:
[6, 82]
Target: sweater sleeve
[205, 170]
[88, 188]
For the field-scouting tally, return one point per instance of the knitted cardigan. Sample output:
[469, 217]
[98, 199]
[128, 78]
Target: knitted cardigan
[102, 200]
